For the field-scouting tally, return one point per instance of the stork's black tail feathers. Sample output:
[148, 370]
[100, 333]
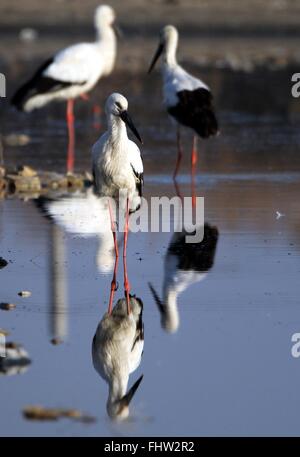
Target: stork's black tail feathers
[195, 110]
[30, 88]
[38, 84]
[20, 97]
[208, 126]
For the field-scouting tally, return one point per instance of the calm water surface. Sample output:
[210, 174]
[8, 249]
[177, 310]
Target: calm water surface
[228, 369]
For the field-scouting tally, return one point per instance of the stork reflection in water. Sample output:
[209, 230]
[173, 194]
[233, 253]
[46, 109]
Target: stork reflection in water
[81, 215]
[117, 350]
[185, 264]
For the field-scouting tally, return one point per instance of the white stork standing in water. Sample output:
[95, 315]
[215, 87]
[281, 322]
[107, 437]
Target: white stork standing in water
[187, 99]
[185, 264]
[118, 167]
[71, 73]
[117, 349]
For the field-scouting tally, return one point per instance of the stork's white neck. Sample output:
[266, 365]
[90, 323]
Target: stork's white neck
[107, 43]
[116, 129]
[105, 32]
[170, 51]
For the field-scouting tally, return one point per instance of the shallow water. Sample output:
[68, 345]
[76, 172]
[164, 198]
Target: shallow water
[228, 370]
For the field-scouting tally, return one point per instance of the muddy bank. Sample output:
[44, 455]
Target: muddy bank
[28, 183]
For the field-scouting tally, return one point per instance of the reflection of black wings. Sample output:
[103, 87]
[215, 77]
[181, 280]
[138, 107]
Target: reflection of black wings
[195, 110]
[196, 256]
[38, 84]
[139, 179]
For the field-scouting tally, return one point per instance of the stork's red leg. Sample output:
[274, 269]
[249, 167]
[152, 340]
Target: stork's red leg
[71, 136]
[194, 154]
[179, 153]
[194, 159]
[126, 282]
[85, 97]
[96, 112]
[113, 286]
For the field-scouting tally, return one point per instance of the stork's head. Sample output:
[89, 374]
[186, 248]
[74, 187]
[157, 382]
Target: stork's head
[168, 40]
[104, 16]
[117, 105]
[168, 34]
[118, 409]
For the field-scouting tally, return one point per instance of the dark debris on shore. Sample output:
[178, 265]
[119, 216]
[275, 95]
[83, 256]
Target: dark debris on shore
[29, 183]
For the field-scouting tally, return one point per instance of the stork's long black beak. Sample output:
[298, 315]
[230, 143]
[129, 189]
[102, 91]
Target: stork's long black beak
[157, 300]
[128, 121]
[118, 31]
[128, 397]
[156, 57]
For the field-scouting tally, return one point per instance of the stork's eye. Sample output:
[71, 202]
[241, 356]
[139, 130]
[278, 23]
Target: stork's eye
[118, 105]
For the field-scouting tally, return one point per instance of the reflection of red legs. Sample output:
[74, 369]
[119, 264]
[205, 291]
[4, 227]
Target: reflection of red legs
[71, 135]
[113, 287]
[177, 189]
[179, 153]
[194, 163]
[97, 117]
[126, 282]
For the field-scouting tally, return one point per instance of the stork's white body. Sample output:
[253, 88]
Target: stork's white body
[114, 156]
[175, 80]
[187, 99]
[117, 163]
[80, 65]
